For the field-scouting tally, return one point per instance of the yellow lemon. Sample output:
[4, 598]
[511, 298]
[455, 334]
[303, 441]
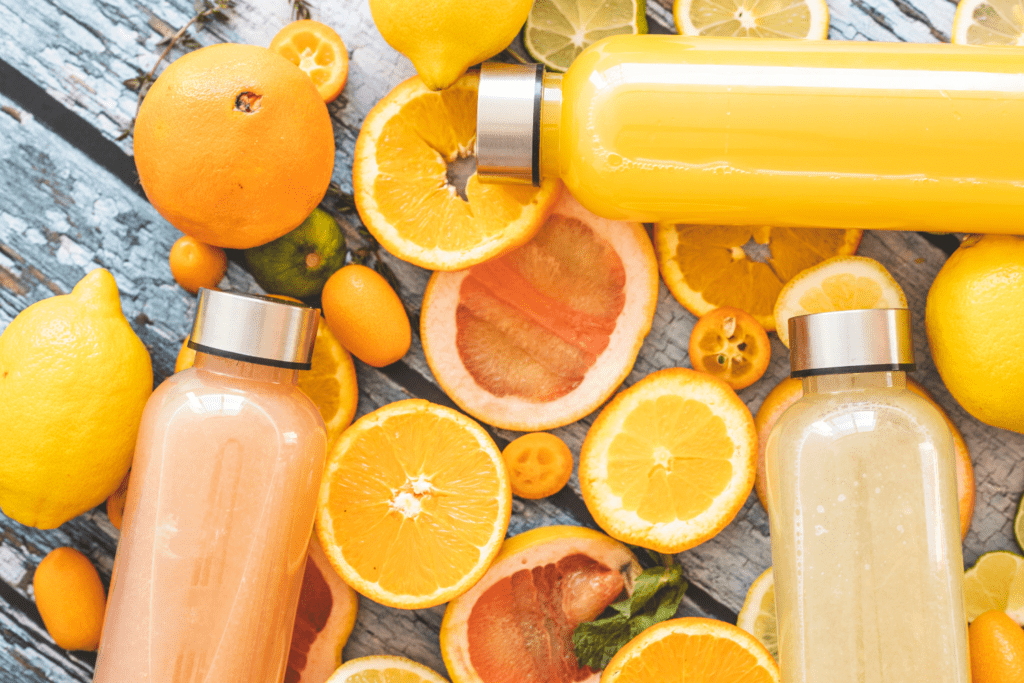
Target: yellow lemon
[443, 38]
[74, 378]
[975, 321]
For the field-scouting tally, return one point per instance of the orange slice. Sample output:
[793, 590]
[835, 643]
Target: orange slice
[319, 51]
[542, 336]
[789, 390]
[384, 669]
[841, 283]
[413, 150]
[516, 623]
[414, 504]
[670, 461]
[694, 650]
[707, 267]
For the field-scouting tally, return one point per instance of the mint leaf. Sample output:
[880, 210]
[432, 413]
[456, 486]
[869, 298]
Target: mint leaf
[657, 593]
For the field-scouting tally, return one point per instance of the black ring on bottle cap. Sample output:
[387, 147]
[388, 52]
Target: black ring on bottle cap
[286, 365]
[850, 369]
[538, 94]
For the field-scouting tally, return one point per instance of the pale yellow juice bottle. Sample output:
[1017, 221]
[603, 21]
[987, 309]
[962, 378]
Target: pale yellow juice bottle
[220, 505]
[793, 133]
[864, 516]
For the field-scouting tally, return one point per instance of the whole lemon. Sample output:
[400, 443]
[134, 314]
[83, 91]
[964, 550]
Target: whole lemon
[443, 38]
[975, 321]
[74, 378]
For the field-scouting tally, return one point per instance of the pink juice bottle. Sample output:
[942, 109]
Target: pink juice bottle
[220, 505]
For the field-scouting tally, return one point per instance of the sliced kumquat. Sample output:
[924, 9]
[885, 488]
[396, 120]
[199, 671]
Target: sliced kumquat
[319, 51]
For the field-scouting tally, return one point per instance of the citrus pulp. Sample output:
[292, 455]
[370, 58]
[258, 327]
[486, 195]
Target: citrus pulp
[319, 51]
[731, 345]
[558, 30]
[806, 19]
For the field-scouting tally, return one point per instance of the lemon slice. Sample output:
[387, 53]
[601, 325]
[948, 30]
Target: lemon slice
[841, 283]
[558, 30]
[989, 22]
[806, 19]
[757, 616]
[384, 669]
[996, 581]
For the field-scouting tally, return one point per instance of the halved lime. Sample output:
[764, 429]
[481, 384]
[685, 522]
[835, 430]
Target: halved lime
[757, 617]
[558, 30]
[996, 581]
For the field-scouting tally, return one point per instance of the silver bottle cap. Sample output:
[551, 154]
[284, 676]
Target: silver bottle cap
[864, 340]
[508, 123]
[255, 329]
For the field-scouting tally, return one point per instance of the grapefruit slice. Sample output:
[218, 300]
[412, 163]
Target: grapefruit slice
[540, 337]
[323, 622]
[515, 625]
[789, 390]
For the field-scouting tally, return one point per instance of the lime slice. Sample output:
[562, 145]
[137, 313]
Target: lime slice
[996, 581]
[757, 617]
[989, 22]
[558, 30]
[1018, 524]
[754, 18]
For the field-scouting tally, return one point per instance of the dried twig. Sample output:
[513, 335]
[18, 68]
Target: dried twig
[205, 11]
[300, 9]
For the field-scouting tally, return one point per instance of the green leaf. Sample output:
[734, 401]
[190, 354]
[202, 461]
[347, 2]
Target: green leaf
[656, 595]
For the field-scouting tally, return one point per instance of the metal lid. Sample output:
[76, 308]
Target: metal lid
[508, 122]
[864, 340]
[256, 329]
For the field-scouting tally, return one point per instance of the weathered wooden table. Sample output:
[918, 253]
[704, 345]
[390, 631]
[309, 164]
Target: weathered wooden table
[70, 202]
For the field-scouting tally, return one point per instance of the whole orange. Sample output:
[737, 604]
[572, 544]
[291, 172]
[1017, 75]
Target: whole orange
[366, 315]
[234, 145]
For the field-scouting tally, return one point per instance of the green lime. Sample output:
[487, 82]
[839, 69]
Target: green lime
[558, 30]
[299, 263]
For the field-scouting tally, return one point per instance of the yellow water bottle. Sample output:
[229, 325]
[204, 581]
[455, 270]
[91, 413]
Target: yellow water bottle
[731, 131]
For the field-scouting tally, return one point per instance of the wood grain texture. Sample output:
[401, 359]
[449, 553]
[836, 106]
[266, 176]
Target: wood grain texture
[61, 215]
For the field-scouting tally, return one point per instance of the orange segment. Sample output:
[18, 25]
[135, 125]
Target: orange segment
[694, 650]
[670, 461]
[708, 267]
[541, 336]
[414, 504]
[410, 149]
[319, 51]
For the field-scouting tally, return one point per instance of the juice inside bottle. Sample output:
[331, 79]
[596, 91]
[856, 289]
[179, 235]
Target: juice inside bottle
[789, 133]
[866, 535]
[217, 524]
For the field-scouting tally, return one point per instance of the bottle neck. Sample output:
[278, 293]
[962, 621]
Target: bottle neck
[228, 367]
[830, 384]
[550, 121]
